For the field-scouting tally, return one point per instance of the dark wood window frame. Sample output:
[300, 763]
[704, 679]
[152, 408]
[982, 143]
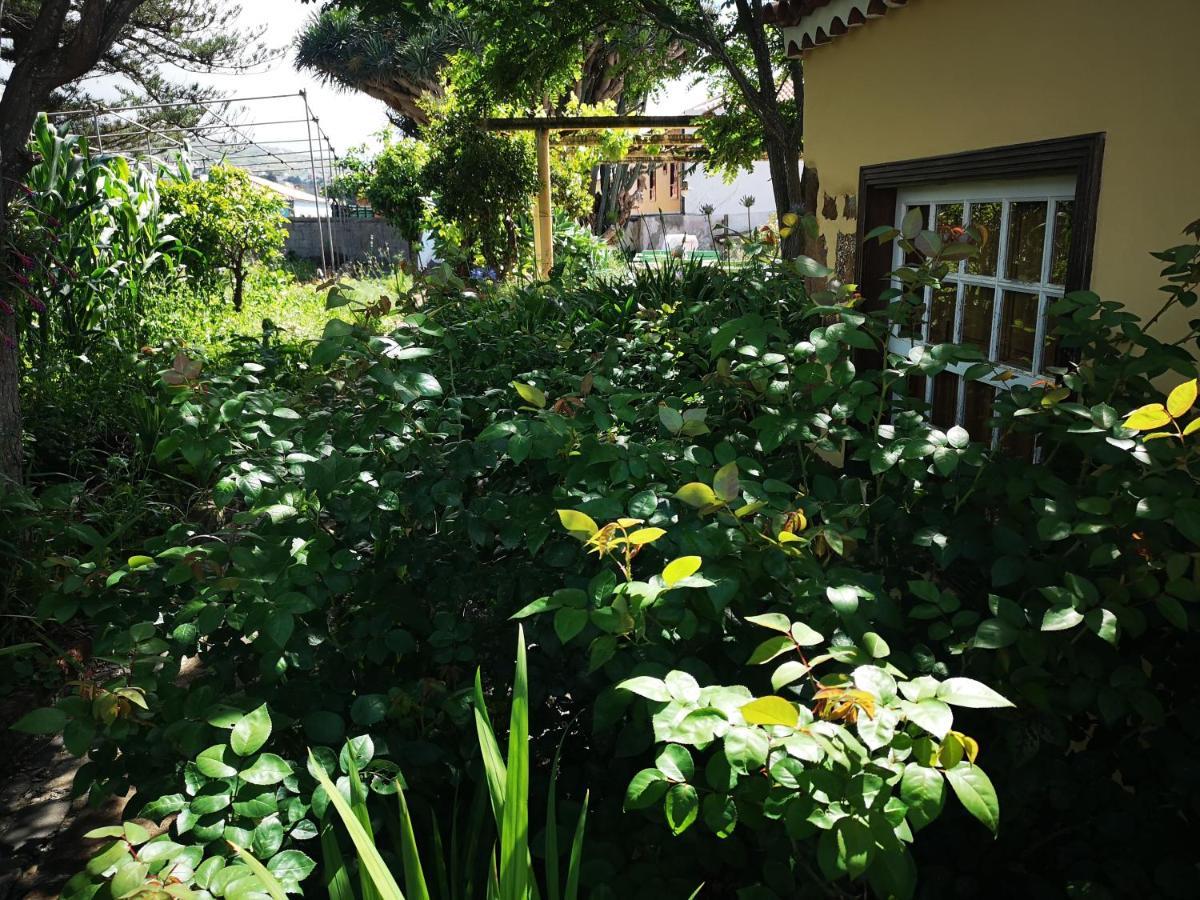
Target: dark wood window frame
[1080, 156]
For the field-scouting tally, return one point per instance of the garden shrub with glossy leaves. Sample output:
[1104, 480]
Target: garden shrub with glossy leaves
[797, 638]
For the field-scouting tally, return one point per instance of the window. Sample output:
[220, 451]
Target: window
[996, 301]
[673, 177]
[1038, 202]
[653, 183]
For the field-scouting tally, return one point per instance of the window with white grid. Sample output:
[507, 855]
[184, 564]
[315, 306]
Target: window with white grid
[997, 300]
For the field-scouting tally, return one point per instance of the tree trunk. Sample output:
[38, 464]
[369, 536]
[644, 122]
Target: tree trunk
[10, 400]
[239, 281]
[783, 159]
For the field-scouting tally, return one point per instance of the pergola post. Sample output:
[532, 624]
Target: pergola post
[543, 246]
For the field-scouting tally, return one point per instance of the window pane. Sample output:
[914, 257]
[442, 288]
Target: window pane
[986, 218]
[1050, 348]
[914, 259]
[978, 415]
[949, 220]
[941, 316]
[977, 316]
[915, 389]
[1064, 216]
[910, 320]
[945, 400]
[1026, 240]
[1018, 329]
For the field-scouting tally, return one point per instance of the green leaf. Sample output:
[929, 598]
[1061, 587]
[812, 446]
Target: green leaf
[530, 394]
[726, 484]
[1170, 609]
[46, 720]
[974, 790]
[844, 599]
[672, 419]
[932, 715]
[923, 790]
[746, 749]
[369, 709]
[211, 762]
[679, 569]
[645, 789]
[569, 622]
[774, 621]
[697, 495]
[720, 815]
[675, 762]
[580, 525]
[251, 731]
[267, 769]
[769, 649]
[970, 693]
[681, 807]
[1060, 618]
[129, 878]
[268, 880]
[645, 686]
[770, 711]
[369, 858]
[514, 827]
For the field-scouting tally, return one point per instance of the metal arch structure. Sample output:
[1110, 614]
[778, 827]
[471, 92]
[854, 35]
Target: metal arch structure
[276, 136]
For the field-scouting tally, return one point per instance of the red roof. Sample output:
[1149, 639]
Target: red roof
[820, 21]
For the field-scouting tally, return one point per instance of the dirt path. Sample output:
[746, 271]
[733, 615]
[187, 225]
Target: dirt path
[41, 827]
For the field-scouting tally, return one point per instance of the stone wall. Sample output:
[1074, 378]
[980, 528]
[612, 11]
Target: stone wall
[354, 240]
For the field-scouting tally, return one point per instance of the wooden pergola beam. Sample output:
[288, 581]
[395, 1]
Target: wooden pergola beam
[581, 123]
[543, 220]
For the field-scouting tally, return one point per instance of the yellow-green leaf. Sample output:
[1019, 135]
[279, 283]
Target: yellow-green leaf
[530, 394]
[1152, 415]
[1182, 399]
[646, 535]
[770, 711]
[725, 484]
[697, 495]
[1192, 426]
[679, 569]
[579, 524]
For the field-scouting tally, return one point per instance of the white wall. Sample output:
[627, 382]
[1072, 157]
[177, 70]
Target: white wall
[709, 187]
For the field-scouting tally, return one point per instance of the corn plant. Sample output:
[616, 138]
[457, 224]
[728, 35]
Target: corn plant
[511, 874]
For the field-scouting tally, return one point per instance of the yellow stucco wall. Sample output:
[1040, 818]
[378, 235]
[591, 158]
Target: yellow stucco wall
[942, 76]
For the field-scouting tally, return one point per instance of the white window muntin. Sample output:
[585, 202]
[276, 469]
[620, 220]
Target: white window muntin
[1052, 191]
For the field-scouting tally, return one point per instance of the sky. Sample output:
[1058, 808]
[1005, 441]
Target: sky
[348, 117]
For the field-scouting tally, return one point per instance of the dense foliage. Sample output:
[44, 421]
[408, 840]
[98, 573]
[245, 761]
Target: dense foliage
[481, 181]
[766, 599]
[225, 222]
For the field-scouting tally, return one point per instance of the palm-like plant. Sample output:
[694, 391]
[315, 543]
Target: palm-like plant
[395, 57]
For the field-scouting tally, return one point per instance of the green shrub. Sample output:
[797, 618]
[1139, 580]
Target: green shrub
[481, 181]
[225, 222]
[779, 617]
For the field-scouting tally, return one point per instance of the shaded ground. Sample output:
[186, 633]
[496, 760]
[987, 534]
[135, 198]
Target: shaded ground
[41, 827]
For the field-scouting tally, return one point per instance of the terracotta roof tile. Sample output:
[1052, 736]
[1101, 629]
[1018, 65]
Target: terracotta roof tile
[811, 23]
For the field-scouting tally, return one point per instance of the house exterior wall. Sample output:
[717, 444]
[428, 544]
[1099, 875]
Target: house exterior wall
[662, 201]
[945, 76]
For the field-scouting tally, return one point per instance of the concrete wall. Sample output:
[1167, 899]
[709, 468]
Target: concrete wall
[943, 76]
[706, 187]
[646, 232]
[354, 240]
